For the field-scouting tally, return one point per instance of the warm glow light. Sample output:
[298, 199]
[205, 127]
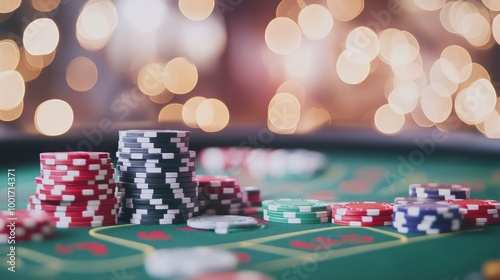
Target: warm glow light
[476, 29]
[315, 21]
[196, 9]
[284, 111]
[282, 35]
[444, 17]
[420, 118]
[386, 38]
[45, 5]
[172, 113]
[436, 107]
[345, 10]
[9, 55]
[162, 98]
[475, 103]
[150, 79]
[404, 99]
[28, 72]
[8, 6]
[293, 87]
[456, 63]
[189, 111]
[314, 119]
[362, 45]
[41, 36]
[477, 72]
[430, 5]
[493, 5]
[12, 89]
[39, 61]
[12, 114]
[144, 16]
[440, 82]
[495, 27]
[81, 74]
[96, 24]
[387, 121]
[351, 72]
[53, 117]
[180, 76]
[212, 115]
[285, 7]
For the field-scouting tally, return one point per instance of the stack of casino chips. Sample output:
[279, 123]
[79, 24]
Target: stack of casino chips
[437, 191]
[426, 218]
[76, 189]
[296, 211]
[222, 195]
[477, 212]
[251, 195]
[27, 226]
[156, 177]
[366, 214]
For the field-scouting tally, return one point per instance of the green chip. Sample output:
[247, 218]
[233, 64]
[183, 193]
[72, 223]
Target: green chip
[296, 220]
[307, 215]
[295, 205]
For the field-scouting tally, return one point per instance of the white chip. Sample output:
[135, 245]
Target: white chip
[220, 221]
[188, 262]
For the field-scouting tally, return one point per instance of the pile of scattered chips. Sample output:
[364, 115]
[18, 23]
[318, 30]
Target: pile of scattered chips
[426, 218]
[437, 191]
[296, 211]
[477, 212]
[76, 189]
[182, 263]
[24, 225]
[223, 224]
[260, 163]
[222, 195]
[367, 213]
[156, 177]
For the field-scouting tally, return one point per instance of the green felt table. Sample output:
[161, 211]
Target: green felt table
[288, 251]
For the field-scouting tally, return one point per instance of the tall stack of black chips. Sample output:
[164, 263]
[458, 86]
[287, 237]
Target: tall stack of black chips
[156, 177]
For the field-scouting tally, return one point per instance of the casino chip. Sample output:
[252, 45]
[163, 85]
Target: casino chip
[29, 226]
[221, 221]
[181, 263]
[426, 218]
[362, 214]
[437, 191]
[296, 211]
[76, 189]
[477, 212]
[156, 172]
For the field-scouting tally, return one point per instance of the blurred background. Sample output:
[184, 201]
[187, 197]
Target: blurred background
[83, 69]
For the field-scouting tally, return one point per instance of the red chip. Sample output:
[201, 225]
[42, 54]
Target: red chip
[473, 204]
[73, 155]
[216, 181]
[362, 224]
[366, 208]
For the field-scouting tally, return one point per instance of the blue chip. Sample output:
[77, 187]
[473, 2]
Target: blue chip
[419, 209]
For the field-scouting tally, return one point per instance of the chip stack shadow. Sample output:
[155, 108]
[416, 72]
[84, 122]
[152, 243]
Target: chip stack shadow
[156, 177]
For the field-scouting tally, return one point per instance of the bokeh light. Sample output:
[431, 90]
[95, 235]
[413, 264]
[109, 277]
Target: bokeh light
[284, 111]
[315, 21]
[150, 79]
[53, 117]
[212, 115]
[41, 36]
[12, 89]
[196, 9]
[8, 6]
[81, 74]
[362, 45]
[430, 5]
[180, 76]
[345, 10]
[144, 16]
[387, 121]
[351, 72]
[189, 111]
[436, 107]
[162, 98]
[172, 113]
[293, 87]
[12, 114]
[45, 5]
[404, 99]
[495, 27]
[9, 55]
[282, 35]
[456, 63]
[475, 103]
[96, 24]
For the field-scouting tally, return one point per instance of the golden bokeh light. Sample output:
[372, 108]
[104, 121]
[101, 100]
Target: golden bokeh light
[351, 72]
[12, 89]
[8, 6]
[404, 99]
[294, 87]
[162, 98]
[180, 76]
[282, 35]
[440, 82]
[495, 27]
[362, 45]
[314, 119]
[493, 5]
[212, 115]
[387, 121]
[477, 72]
[45, 5]
[144, 16]
[475, 103]
[492, 123]
[386, 38]
[406, 70]
[39, 61]
[430, 5]
[345, 10]
[172, 113]
[81, 74]
[456, 63]
[41, 36]
[436, 107]
[445, 18]
[28, 71]
[53, 117]
[285, 7]
[150, 79]
[419, 116]
[12, 114]
[9, 55]
[476, 29]
[196, 9]
[315, 21]
[284, 111]
[96, 24]
[189, 111]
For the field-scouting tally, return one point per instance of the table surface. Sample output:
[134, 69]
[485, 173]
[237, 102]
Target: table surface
[283, 251]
